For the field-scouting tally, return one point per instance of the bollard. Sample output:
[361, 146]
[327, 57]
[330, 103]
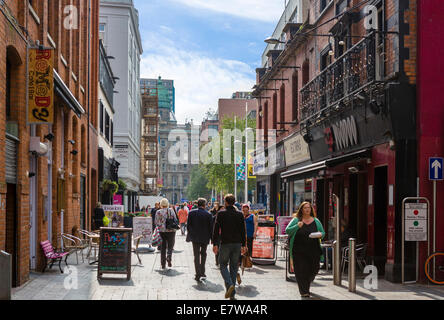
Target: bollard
[352, 265]
[5, 276]
[336, 265]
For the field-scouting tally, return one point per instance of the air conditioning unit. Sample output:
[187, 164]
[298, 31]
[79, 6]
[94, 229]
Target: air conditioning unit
[37, 147]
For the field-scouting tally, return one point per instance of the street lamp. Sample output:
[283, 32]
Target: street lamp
[271, 40]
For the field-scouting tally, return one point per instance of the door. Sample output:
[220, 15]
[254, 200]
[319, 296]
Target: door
[353, 200]
[82, 203]
[11, 228]
[380, 219]
[32, 212]
[320, 202]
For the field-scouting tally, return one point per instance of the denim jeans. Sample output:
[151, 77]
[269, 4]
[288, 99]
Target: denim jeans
[229, 255]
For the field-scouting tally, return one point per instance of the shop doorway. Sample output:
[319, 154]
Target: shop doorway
[83, 202]
[353, 204]
[380, 219]
[11, 228]
[320, 203]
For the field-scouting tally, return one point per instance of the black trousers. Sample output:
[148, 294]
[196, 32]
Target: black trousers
[168, 240]
[200, 257]
[306, 267]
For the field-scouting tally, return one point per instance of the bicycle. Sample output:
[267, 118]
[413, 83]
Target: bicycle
[438, 259]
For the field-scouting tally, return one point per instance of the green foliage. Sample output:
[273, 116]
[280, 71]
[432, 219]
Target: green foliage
[110, 186]
[198, 184]
[122, 185]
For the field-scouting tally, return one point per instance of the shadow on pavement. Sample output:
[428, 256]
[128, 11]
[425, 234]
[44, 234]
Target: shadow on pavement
[116, 282]
[208, 286]
[169, 272]
[247, 291]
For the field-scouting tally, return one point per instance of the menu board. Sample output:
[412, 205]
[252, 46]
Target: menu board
[143, 226]
[263, 245]
[115, 215]
[115, 252]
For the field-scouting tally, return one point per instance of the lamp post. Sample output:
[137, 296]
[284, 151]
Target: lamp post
[246, 152]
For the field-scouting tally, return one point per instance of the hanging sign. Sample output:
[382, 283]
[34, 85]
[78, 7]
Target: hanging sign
[41, 86]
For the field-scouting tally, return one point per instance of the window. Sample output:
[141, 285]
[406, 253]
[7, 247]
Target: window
[112, 133]
[107, 126]
[8, 90]
[101, 117]
[322, 5]
[295, 96]
[282, 111]
[305, 72]
[185, 182]
[325, 58]
[266, 120]
[275, 111]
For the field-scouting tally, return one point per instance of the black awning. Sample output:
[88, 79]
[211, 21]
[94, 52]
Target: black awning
[363, 154]
[306, 171]
[66, 95]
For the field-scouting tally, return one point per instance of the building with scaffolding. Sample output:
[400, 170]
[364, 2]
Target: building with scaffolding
[150, 141]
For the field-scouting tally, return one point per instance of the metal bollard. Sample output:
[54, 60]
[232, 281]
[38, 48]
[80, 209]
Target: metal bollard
[352, 265]
[5, 276]
[336, 265]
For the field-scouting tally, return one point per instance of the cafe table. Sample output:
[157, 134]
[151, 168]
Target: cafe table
[93, 243]
[326, 245]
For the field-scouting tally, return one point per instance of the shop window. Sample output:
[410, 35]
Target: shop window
[302, 191]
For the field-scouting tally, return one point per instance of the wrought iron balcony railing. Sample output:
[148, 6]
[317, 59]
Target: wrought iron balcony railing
[352, 71]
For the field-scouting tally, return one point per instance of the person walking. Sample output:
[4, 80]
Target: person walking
[200, 229]
[168, 235]
[99, 214]
[252, 224]
[214, 211]
[183, 217]
[230, 230]
[305, 232]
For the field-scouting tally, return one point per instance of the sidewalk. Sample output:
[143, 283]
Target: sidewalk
[149, 282]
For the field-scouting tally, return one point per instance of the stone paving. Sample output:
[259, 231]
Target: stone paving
[149, 282]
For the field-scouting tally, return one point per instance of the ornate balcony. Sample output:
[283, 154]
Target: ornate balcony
[350, 73]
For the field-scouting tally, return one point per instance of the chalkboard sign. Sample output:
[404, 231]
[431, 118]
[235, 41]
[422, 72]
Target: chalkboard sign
[115, 252]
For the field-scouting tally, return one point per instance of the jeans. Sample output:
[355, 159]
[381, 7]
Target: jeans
[200, 257]
[168, 240]
[183, 228]
[229, 255]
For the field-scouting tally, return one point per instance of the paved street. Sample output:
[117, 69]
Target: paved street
[149, 282]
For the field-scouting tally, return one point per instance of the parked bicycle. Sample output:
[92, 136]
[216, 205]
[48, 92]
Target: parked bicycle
[437, 260]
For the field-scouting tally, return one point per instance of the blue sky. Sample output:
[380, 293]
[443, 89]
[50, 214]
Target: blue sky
[211, 48]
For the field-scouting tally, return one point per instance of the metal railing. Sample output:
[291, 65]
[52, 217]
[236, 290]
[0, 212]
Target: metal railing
[356, 68]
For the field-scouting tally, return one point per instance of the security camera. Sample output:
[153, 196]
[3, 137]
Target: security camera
[72, 142]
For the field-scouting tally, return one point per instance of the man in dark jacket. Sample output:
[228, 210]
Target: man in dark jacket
[99, 214]
[200, 227]
[231, 224]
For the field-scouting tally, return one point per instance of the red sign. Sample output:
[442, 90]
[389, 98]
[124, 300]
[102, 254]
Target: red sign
[263, 245]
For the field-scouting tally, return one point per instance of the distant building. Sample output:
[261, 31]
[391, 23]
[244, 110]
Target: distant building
[209, 127]
[242, 95]
[230, 108]
[119, 30]
[165, 91]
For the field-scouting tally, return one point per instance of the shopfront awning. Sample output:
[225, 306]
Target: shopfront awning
[66, 95]
[312, 169]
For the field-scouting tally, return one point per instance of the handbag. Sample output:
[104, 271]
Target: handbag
[171, 223]
[156, 239]
[246, 262]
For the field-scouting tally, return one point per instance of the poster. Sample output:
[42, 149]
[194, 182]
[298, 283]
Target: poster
[263, 245]
[118, 199]
[115, 215]
[143, 226]
[283, 222]
[41, 86]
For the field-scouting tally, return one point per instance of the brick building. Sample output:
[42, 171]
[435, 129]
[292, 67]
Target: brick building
[229, 108]
[43, 196]
[339, 89]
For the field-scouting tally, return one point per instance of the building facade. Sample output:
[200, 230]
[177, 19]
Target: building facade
[165, 91]
[108, 166]
[48, 176]
[339, 92]
[235, 107]
[119, 29]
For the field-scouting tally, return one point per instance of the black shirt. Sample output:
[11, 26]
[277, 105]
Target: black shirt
[231, 224]
[303, 244]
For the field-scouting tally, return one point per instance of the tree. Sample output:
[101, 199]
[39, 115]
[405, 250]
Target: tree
[198, 184]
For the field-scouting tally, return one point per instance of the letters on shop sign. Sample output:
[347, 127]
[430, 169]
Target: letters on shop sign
[344, 134]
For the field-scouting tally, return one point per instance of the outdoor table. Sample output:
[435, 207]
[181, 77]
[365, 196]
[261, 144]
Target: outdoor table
[93, 238]
[326, 245]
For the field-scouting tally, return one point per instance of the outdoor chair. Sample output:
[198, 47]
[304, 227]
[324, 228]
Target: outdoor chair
[135, 248]
[51, 256]
[73, 244]
[361, 253]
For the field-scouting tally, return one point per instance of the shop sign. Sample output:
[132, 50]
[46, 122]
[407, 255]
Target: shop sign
[259, 164]
[115, 215]
[345, 134]
[416, 217]
[296, 150]
[276, 159]
[41, 86]
[263, 245]
[121, 151]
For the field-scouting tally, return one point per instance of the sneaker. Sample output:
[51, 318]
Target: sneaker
[203, 278]
[229, 292]
[239, 280]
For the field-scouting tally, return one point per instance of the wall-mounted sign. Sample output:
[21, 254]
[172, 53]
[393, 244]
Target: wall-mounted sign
[345, 133]
[41, 86]
[296, 150]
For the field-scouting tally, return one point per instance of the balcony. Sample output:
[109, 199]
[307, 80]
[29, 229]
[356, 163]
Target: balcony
[150, 173]
[350, 73]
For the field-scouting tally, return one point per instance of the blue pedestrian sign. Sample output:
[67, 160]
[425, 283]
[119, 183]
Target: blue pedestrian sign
[436, 169]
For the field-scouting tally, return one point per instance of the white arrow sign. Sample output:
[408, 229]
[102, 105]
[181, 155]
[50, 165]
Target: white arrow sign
[436, 165]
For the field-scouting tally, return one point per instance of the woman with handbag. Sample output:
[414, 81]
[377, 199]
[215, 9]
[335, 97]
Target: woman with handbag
[305, 232]
[167, 224]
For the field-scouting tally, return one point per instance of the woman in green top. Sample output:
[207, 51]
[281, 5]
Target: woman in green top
[305, 250]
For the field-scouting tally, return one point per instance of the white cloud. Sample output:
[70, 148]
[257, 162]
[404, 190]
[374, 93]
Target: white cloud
[263, 10]
[199, 80]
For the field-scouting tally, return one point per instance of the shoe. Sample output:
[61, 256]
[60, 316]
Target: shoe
[233, 298]
[203, 278]
[229, 292]
[197, 278]
[163, 267]
[305, 295]
[239, 280]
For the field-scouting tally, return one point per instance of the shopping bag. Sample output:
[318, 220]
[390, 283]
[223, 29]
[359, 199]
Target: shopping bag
[156, 238]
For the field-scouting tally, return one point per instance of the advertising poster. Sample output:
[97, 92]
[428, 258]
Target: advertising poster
[283, 222]
[143, 226]
[118, 199]
[263, 245]
[115, 215]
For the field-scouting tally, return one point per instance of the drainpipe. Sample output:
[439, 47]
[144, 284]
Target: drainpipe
[89, 112]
